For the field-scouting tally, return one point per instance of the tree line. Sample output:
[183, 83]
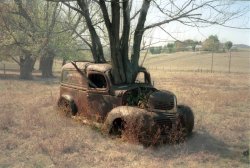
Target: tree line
[36, 30]
[211, 44]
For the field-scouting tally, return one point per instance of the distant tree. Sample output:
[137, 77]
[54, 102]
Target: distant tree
[188, 42]
[152, 50]
[170, 47]
[48, 51]
[179, 46]
[194, 44]
[164, 49]
[155, 50]
[185, 45]
[228, 45]
[191, 43]
[21, 39]
[193, 48]
[33, 29]
[28, 27]
[212, 43]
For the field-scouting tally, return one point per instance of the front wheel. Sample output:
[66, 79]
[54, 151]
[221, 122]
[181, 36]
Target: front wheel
[186, 118]
[117, 128]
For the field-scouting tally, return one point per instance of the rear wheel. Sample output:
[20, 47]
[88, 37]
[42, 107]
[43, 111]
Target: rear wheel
[67, 107]
[186, 118]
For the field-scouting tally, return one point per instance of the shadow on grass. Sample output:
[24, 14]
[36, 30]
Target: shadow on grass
[36, 78]
[203, 142]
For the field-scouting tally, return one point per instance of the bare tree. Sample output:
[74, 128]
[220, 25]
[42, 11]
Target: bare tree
[48, 52]
[32, 29]
[76, 24]
[119, 15]
[17, 22]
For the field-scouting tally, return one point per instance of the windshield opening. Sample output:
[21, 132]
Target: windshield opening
[141, 78]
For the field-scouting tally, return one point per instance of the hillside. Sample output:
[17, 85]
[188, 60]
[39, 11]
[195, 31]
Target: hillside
[200, 61]
[241, 46]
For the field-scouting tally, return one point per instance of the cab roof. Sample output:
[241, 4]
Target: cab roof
[89, 66]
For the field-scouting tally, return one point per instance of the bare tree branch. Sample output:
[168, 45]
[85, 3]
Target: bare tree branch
[169, 34]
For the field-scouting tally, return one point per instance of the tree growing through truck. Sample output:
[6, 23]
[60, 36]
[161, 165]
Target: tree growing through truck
[120, 15]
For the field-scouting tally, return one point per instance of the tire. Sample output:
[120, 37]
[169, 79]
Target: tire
[67, 107]
[117, 128]
[186, 118]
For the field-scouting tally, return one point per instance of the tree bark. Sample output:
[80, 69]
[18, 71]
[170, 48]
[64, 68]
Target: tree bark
[138, 36]
[125, 41]
[46, 64]
[139, 33]
[64, 61]
[47, 58]
[26, 66]
[118, 70]
[96, 49]
[123, 69]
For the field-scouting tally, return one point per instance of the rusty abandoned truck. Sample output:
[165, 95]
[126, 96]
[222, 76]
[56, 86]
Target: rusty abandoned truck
[87, 90]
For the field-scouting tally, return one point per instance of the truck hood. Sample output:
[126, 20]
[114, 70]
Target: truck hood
[120, 90]
[162, 100]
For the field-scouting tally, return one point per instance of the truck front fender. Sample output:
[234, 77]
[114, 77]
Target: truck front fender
[126, 114]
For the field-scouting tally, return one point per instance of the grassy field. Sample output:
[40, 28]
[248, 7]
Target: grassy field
[33, 133]
[190, 61]
[179, 61]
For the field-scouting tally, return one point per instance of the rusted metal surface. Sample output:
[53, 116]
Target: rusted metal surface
[107, 102]
[88, 66]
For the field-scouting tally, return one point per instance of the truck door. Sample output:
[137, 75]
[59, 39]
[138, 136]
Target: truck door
[75, 86]
[98, 97]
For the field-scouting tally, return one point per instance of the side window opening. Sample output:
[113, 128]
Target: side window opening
[98, 79]
[64, 76]
[73, 78]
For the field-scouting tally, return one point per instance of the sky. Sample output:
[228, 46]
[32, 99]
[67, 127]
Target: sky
[181, 32]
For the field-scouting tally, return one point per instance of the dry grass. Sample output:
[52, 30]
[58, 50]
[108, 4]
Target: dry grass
[34, 134]
[190, 61]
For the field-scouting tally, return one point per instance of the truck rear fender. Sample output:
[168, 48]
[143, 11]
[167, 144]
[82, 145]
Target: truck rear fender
[70, 100]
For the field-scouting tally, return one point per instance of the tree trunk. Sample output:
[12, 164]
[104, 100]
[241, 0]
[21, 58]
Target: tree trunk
[139, 31]
[96, 49]
[125, 42]
[40, 64]
[123, 69]
[26, 67]
[118, 70]
[46, 64]
[64, 61]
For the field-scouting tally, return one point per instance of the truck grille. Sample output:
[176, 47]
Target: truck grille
[165, 124]
[161, 100]
[163, 105]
